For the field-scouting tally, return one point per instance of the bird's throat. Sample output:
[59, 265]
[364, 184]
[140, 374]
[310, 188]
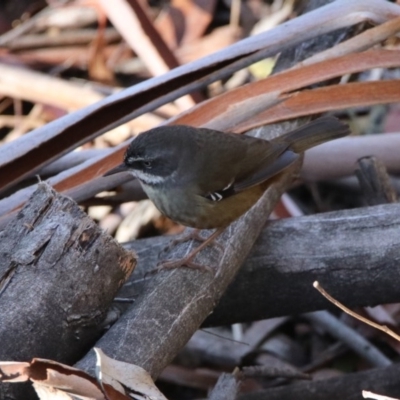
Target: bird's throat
[148, 178]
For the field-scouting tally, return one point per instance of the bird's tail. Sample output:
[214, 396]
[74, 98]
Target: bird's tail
[314, 133]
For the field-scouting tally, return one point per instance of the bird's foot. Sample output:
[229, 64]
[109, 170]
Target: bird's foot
[183, 263]
[187, 261]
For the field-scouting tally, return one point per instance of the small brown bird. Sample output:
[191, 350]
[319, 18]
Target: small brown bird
[206, 179]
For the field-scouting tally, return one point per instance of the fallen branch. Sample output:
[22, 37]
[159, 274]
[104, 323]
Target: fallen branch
[58, 275]
[350, 386]
[353, 253]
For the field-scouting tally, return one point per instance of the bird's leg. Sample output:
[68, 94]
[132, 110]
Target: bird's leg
[187, 260]
[193, 234]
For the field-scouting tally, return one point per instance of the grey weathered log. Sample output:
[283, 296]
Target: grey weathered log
[354, 254]
[58, 275]
[384, 381]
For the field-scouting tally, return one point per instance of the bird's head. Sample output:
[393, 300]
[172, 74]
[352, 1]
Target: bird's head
[154, 157]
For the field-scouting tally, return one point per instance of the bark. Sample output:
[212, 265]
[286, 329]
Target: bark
[58, 275]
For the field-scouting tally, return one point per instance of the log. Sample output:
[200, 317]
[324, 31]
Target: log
[383, 381]
[58, 275]
[354, 254]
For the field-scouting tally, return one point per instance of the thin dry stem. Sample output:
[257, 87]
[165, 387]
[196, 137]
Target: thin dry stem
[382, 328]
[235, 13]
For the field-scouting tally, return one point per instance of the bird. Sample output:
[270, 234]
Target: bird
[206, 179]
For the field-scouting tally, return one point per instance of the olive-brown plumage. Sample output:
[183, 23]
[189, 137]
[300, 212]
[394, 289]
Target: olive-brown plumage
[206, 179]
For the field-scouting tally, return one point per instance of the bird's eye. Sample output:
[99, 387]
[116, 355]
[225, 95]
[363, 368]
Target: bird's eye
[147, 164]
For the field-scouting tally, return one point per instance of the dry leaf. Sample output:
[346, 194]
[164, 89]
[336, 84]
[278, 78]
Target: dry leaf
[52, 380]
[120, 375]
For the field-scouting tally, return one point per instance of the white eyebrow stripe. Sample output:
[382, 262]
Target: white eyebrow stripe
[133, 159]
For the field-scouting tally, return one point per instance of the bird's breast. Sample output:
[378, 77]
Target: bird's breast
[196, 211]
[176, 204]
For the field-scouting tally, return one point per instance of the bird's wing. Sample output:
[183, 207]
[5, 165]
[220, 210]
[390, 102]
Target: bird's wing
[217, 160]
[266, 171]
[240, 162]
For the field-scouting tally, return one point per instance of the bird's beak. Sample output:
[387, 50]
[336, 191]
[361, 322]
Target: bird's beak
[119, 168]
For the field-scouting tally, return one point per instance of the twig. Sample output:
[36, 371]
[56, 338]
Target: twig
[235, 13]
[350, 337]
[64, 38]
[375, 181]
[382, 328]
[267, 371]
